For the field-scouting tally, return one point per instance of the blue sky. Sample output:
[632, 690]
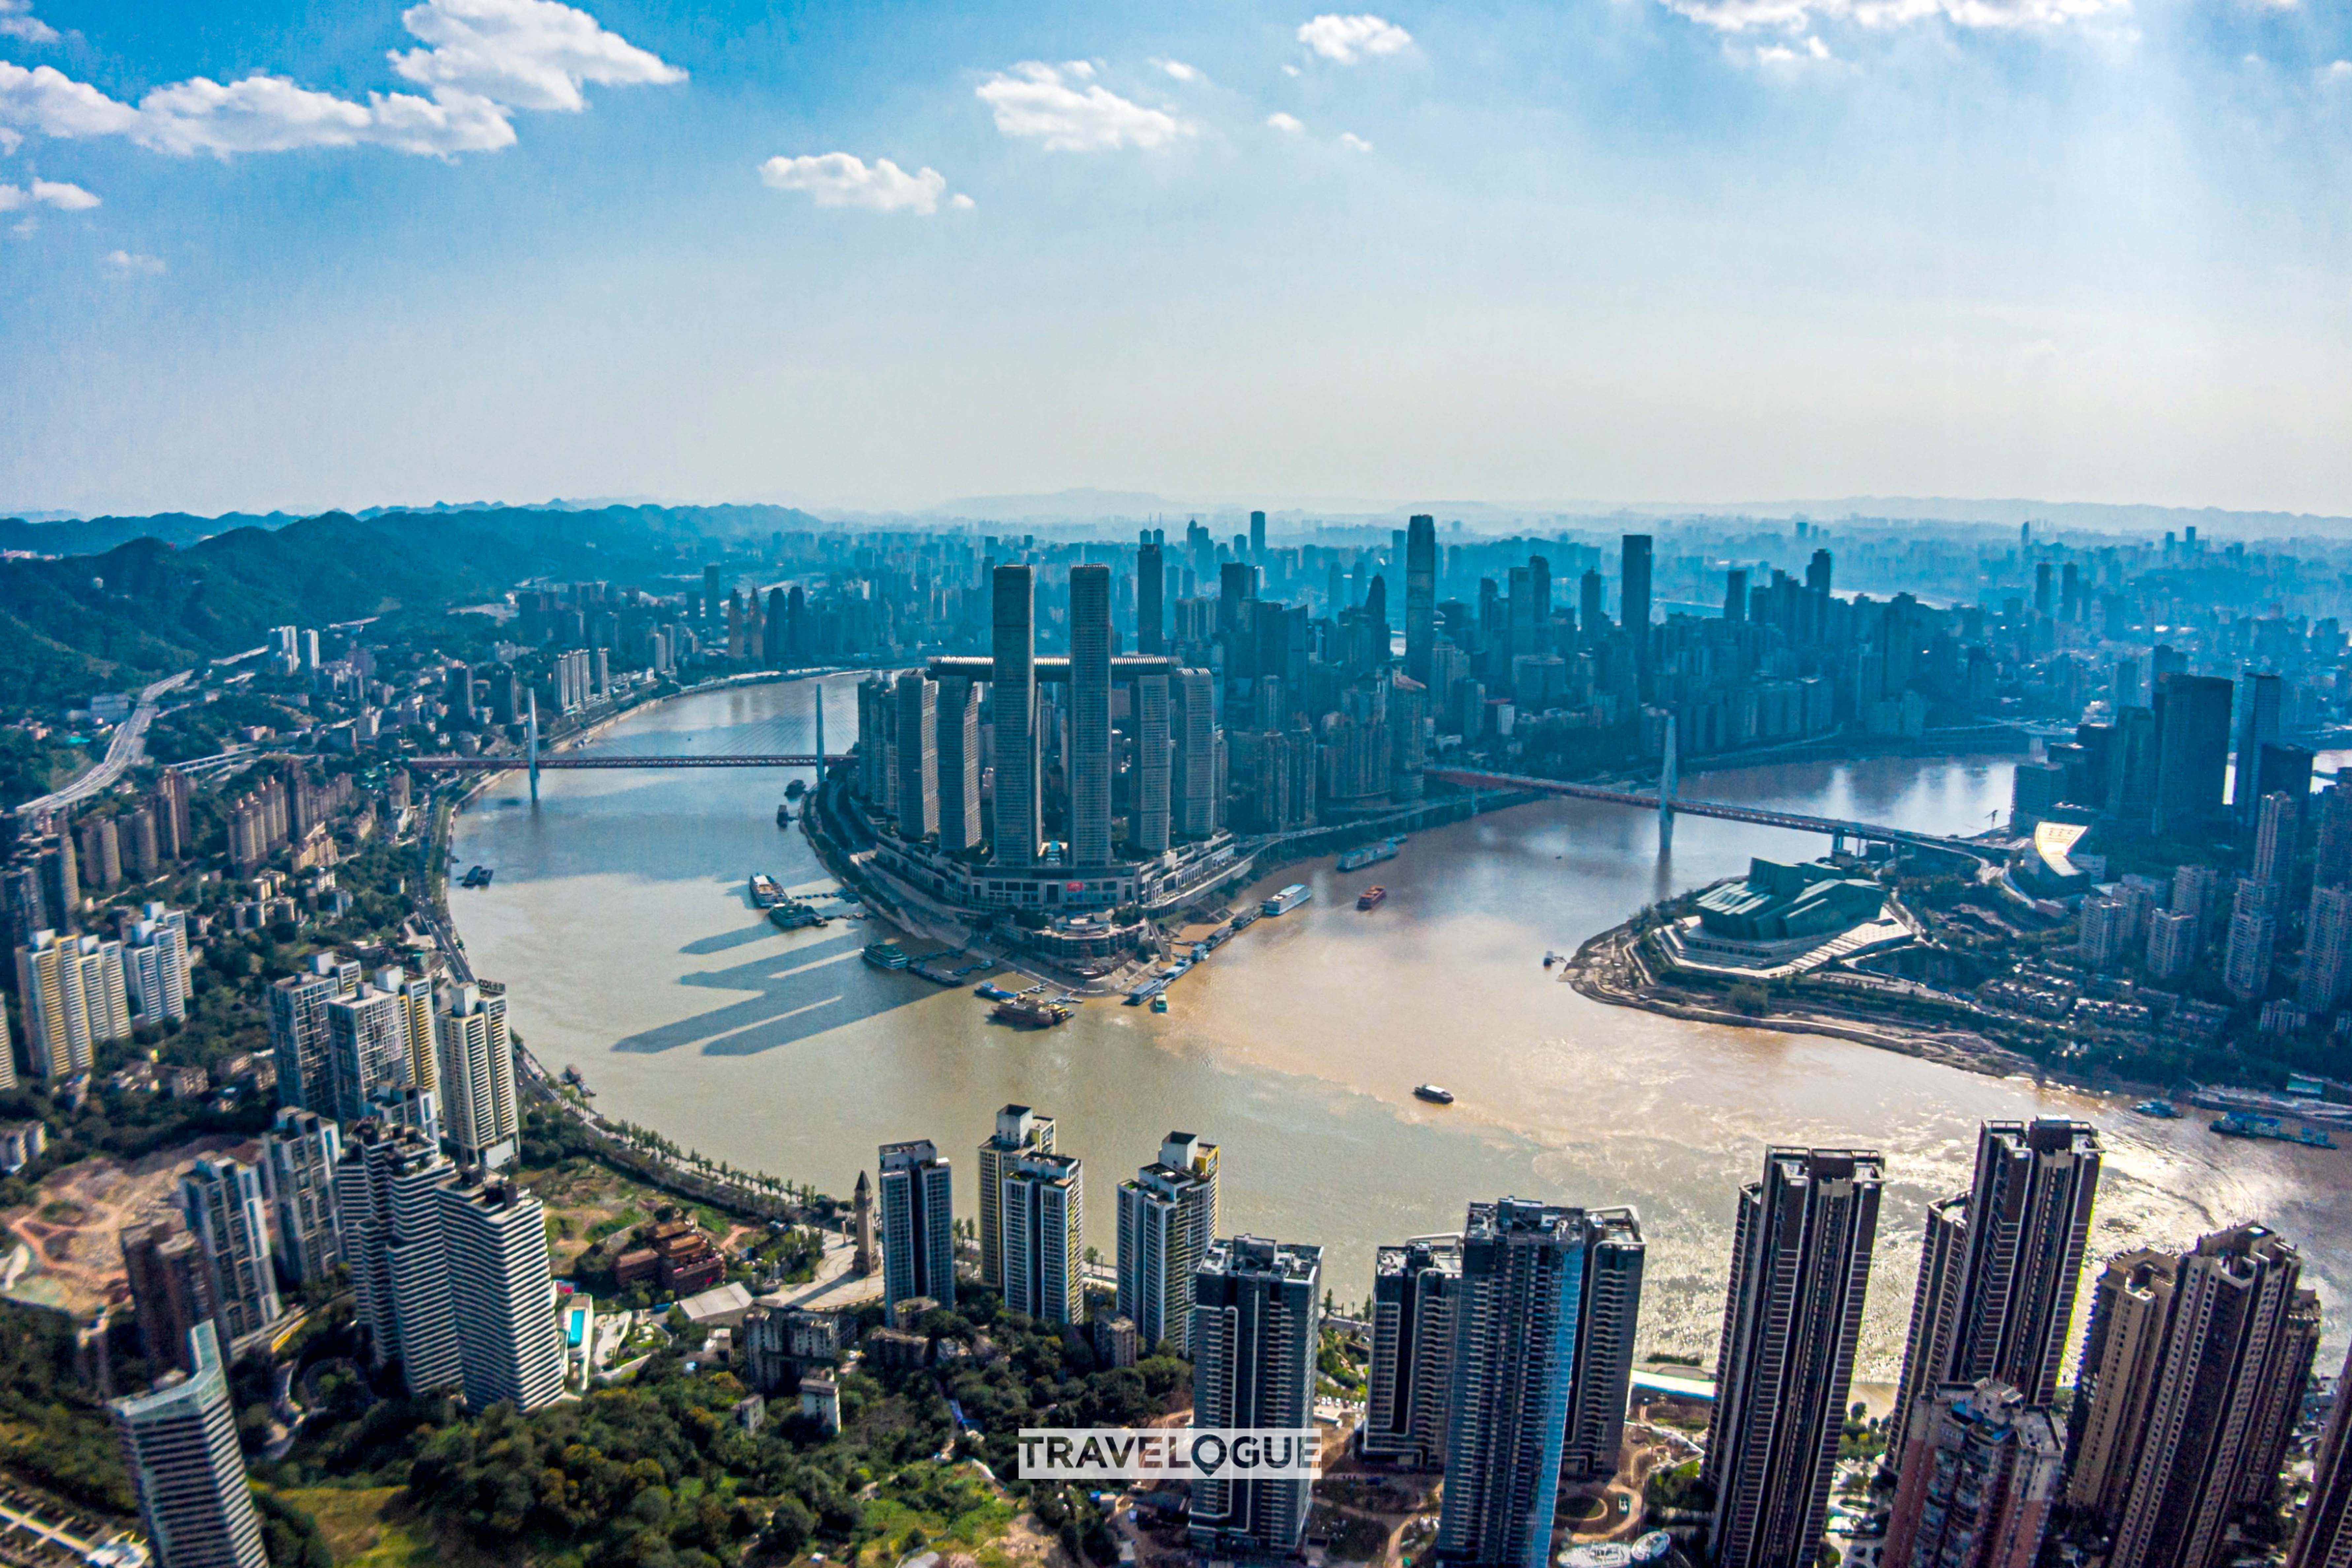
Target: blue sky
[265, 253]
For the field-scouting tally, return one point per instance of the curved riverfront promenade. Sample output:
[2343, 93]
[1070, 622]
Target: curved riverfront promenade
[619, 921]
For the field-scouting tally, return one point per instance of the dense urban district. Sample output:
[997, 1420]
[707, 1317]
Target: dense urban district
[312, 1261]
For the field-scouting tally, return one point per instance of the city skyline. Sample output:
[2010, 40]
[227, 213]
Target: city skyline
[1523, 251]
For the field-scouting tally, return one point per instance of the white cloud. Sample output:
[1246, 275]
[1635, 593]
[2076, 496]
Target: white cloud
[124, 264]
[845, 179]
[48, 194]
[488, 58]
[17, 21]
[1353, 143]
[1288, 123]
[10, 141]
[1349, 39]
[960, 202]
[524, 54]
[1742, 15]
[2340, 72]
[1036, 100]
[1178, 69]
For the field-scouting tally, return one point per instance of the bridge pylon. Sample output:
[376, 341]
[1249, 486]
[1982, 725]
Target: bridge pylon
[531, 741]
[1666, 786]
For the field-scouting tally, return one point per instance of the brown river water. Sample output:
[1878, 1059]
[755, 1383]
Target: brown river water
[620, 921]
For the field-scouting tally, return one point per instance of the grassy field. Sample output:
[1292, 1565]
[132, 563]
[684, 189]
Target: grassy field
[368, 1527]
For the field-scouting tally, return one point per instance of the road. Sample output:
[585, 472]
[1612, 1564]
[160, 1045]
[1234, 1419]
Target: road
[128, 747]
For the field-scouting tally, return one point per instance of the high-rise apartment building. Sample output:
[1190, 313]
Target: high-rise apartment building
[299, 1035]
[1167, 1218]
[1012, 715]
[170, 1290]
[1606, 1319]
[2171, 944]
[1998, 1269]
[1019, 1130]
[299, 1159]
[915, 792]
[222, 1201]
[957, 729]
[1518, 1322]
[2324, 1537]
[155, 966]
[391, 1219]
[73, 997]
[2131, 1308]
[1090, 748]
[1042, 1206]
[180, 1444]
[477, 1073]
[2213, 1395]
[1981, 1475]
[1792, 1314]
[501, 1293]
[2253, 936]
[367, 1048]
[2327, 950]
[2278, 820]
[1411, 1390]
[1257, 1322]
[918, 1224]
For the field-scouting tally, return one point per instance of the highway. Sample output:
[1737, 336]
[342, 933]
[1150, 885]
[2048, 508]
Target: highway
[128, 747]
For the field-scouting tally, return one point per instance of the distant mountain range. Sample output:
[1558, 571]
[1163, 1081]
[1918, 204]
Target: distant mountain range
[147, 605]
[1098, 505]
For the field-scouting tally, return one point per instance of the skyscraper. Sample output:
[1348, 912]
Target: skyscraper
[1256, 1327]
[367, 1050]
[1154, 765]
[1042, 1210]
[1019, 1129]
[2212, 1394]
[297, 1030]
[1517, 1315]
[385, 1202]
[2328, 951]
[221, 1200]
[1257, 536]
[477, 1069]
[1415, 1288]
[1982, 1473]
[1166, 1217]
[1591, 593]
[915, 793]
[1194, 784]
[1633, 590]
[918, 1224]
[956, 728]
[1606, 1321]
[2258, 722]
[2324, 1538]
[180, 1444]
[1090, 751]
[298, 1175]
[2277, 819]
[1998, 1269]
[1420, 595]
[1012, 713]
[503, 1295]
[169, 1290]
[1792, 1313]
[1151, 599]
[2253, 935]
[2192, 751]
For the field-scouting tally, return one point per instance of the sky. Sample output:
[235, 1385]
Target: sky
[288, 254]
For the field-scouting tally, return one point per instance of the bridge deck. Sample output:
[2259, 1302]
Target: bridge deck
[619, 760]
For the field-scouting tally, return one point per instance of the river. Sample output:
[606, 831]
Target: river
[620, 921]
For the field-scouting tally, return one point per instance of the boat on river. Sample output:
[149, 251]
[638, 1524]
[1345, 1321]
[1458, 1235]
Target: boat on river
[765, 894]
[1433, 1093]
[1370, 855]
[1026, 1014]
[1370, 897]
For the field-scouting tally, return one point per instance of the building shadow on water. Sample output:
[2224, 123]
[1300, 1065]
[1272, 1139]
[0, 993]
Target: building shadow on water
[795, 993]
